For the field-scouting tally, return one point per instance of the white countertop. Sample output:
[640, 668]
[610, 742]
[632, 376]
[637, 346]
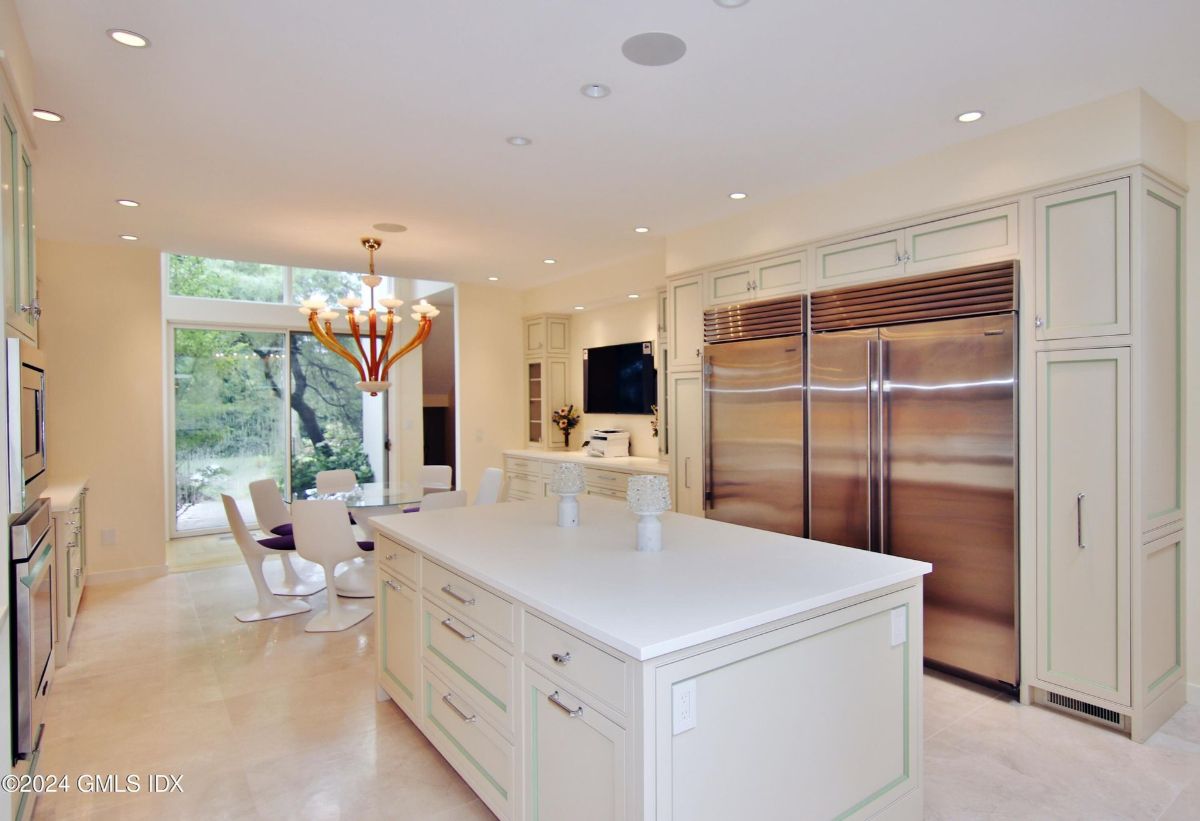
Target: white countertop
[63, 493]
[711, 579]
[640, 464]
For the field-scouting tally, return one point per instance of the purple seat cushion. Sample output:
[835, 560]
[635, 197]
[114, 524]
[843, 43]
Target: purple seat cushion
[279, 543]
[284, 529]
[366, 546]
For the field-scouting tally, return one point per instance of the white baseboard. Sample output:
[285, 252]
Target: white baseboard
[1193, 693]
[131, 574]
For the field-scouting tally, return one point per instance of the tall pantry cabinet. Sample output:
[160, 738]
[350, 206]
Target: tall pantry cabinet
[685, 345]
[17, 231]
[547, 350]
[1108, 338]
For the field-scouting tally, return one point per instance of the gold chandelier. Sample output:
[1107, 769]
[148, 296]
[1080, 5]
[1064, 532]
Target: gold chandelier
[374, 364]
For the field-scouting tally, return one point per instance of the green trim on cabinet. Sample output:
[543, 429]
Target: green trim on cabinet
[465, 675]
[1000, 218]
[15, 204]
[825, 257]
[457, 744]
[383, 650]
[904, 775]
[1178, 665]
[1179, 232]
[30, 244]
[533, 753]
[1116, 248]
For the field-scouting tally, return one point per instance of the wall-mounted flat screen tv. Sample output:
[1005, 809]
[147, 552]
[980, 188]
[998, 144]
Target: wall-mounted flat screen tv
[619, 378]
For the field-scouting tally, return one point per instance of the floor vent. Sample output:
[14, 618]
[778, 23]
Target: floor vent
[1101, 714]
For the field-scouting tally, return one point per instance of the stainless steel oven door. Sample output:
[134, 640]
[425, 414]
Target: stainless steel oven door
[33, 642]
[26, 424]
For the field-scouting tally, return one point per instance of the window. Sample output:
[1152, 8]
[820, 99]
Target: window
[225, 279]
[334, 285]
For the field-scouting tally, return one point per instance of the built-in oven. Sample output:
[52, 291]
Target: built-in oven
[31, 594]
[26, 424]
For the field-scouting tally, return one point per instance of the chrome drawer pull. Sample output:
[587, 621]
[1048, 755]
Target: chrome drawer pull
[452, 593]
[389, 557]
[449, 623]
[561, 658]
[1079, 497]
[557, 702]
[392, 585]
[448, 698]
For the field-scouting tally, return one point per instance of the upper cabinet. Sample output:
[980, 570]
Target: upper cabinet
[778, 276]
[974, 238]
[1081, 262]
[17, 241]
[547, 334]
[685, 322]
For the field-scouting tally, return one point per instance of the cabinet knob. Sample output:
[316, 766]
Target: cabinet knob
[697, 353]
[1038, 322]
[561, 658]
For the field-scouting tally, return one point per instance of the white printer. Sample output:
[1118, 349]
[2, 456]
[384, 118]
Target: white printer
[608, 443]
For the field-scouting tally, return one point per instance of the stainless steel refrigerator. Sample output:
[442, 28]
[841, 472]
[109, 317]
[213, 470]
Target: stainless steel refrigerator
[754, 363]
[913, 448]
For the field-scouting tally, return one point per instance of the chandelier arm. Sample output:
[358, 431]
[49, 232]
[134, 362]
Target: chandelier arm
[353, 320]
[387, 337]
[417, 338]
[326, 338]
[373, 334]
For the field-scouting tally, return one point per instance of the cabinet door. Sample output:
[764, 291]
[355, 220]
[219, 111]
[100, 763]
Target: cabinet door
[10, 216]
[575, 757]
[556, 394]
[685, 322]
[875, 257]
[1081, 261]
[687, 446]
[781, 276]
[28, 270]
[535, 402]
[733, 285]
[1083, 521]
[968, 239]
[558, 339]
[535, 336]
[398, 644]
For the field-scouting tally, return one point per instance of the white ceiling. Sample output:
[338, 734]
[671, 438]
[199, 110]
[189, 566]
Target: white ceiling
[280, 130]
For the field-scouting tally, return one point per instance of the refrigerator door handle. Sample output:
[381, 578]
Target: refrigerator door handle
[884, 414]
[872, 443]
[1079, 540]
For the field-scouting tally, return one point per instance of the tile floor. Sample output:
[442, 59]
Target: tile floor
[265, 721]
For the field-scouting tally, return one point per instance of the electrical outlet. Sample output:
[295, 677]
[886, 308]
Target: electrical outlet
[683, 706]
[899, 625]
[108, 536]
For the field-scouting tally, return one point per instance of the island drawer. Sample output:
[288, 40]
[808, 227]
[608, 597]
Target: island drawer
[524, 487]
[476, 666]
[396, 557]
[575, 660]
[481, 607]
[603, 479]
[484, 758]
[515, 464]
[606, 492]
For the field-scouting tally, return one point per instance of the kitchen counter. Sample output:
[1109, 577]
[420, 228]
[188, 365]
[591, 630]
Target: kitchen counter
[736, 674]
[62, 495]
[711, 580]
[637, 464]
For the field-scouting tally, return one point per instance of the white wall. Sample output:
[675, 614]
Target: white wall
[1192, 326]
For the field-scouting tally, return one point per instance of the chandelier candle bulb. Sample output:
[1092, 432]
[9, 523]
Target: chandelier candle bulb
[374, 358]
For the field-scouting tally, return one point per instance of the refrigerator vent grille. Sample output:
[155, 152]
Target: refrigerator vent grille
[755, 320]
[982, 289]
[1090, 710]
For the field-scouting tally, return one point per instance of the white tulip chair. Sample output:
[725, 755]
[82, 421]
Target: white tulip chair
[336, 481]
[273, 517]
[436, 478]
[323, 535]
[254, 552]
[442, 501]
[490, 486]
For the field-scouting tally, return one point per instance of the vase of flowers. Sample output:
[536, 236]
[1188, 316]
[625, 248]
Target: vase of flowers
[566, 418]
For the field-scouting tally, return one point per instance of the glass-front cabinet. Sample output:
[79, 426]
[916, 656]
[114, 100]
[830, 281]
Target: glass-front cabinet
[17, 239]
[547, 346]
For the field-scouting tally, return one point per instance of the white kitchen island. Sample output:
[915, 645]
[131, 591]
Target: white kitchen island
[736, 674]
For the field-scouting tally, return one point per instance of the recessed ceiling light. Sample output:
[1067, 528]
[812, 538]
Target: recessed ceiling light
[579, 307]
[129, 237]
[970, 116]
[737, 195]
[633, 296]
[549, 261]
[389, 227]
[641, 229]
[730, 4]
[595, 90]
[129, 38]
[493, 279]
[654, 48]
[48, 116]
[519, 140]
[129, 203]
